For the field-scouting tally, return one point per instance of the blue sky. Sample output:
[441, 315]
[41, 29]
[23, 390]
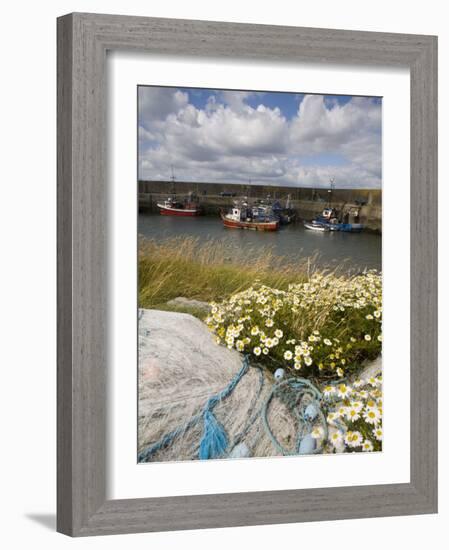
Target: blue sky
[276, 138]
[287, 102]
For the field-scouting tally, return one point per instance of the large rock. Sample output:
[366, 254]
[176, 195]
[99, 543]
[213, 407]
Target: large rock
[182, 302]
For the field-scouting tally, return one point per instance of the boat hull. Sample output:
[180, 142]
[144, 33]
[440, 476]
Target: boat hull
[164, 211]
[317, 225]
[313, 227]
[351, 227]
[255, 226]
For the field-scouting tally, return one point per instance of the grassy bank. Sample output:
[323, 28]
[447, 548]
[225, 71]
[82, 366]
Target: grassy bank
[283, 313]
[209, 270]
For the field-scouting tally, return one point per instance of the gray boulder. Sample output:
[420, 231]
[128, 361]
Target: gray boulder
[182, 302]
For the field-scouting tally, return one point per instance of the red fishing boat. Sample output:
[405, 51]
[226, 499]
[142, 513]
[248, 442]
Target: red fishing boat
[242, 217]
[174, 207]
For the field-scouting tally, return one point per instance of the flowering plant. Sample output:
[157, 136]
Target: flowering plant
[325, 327]
[354, 415]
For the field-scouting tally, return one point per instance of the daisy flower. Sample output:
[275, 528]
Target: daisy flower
[372, 416]
[328, 391]
[257, 351]
[343, 390]
[255, 331]
[367, 446]
[357, 405]
[317, 432]
[278, 333]
[269, 322]
[288, 355]
[352, 414]
[308, 361]
[353, 439]
[336, 438]
[367, 337]
[240, 346]
[378, 433]
[327, 342]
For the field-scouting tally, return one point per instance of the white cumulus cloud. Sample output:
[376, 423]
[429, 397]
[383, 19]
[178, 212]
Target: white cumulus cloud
[227, 140]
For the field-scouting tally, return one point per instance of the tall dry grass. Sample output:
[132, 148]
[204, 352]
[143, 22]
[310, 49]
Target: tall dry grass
[209, 270]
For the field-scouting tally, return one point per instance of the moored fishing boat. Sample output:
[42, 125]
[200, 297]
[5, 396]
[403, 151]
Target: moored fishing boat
[243, 217]
[284, 214]
[173, 207]
[332, 220]
[316, 226]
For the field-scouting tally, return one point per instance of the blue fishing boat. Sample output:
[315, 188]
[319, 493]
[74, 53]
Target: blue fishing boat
[274, 209]
[332, 220]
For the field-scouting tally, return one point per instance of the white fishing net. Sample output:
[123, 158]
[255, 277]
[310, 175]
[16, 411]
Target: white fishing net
[180, 368]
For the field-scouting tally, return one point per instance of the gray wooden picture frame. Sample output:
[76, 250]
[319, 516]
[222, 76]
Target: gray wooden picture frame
[83, 40]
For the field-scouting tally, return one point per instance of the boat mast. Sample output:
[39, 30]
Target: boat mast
[332, 187]
[172, 179]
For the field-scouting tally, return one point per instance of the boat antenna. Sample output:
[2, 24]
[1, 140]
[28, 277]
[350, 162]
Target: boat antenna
[172, 179]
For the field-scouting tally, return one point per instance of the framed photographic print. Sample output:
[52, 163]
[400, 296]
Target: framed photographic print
[246, 274]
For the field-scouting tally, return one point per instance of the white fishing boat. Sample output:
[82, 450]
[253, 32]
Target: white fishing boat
[316, 226]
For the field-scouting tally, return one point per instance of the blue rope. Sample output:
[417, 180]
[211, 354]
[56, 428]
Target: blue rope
[294, 400]
[214, 441]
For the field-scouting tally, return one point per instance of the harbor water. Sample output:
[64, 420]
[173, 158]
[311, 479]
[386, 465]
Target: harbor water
[354, 251]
